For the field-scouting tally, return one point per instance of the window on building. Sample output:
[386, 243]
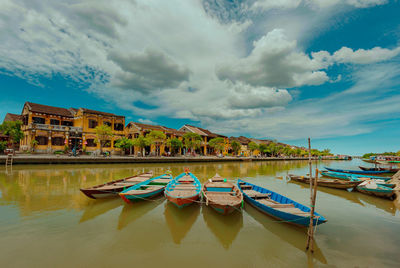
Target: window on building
[118, 126]
[136, 135]
[67, 123]
[57, 141]
[38, 120]
[107, 143]
[54, 122]
[42, 140]
[25, 120]
[107, 123]
[91, 143]
[92, 123]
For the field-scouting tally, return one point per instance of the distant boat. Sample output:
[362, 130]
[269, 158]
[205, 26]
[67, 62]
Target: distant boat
[348, 176]
[369, 160]
[278, 206]
[371, 188]
[331, 183]
[388, 170]
[223, 196]
[113, 188]
[146, 189]
[183, 190]
[355, 171]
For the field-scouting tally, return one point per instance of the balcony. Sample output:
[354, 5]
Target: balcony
[54, 128]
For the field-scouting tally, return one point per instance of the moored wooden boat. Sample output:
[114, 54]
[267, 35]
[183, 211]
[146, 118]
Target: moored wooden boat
[183, 190]
[371, 188]
[388, 170]
[331, 183]
[113, 188]
[278, 206]
[146, 189]
[356, 171]
[223, 196]
[348, 176]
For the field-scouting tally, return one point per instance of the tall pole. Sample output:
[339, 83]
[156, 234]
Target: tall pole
[311, 195]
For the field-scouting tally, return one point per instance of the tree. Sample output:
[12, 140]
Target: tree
[263, 148]
[104, 134]
[174, 144]
[217, 143]
[13, 130]
[191, 141]
[253, 146]
[157, 138]
[236, 146]
[141, 142]
[3, 146]
[124, 143]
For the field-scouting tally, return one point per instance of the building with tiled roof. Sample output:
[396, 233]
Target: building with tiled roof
[12, 117]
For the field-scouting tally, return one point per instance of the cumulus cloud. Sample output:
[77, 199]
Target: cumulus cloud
[362, 56]
[289, 4]
[270, 4]
[275, 62]
[147, 71]
[248, 97]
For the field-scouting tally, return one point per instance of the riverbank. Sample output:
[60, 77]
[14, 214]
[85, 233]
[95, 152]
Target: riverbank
[84, 159]
[396, 180]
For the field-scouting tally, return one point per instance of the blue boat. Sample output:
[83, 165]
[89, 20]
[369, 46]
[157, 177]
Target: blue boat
[348, 176]
[278, 206]
[356, 171]
[184, 190]
[147, 189]
[376, 190]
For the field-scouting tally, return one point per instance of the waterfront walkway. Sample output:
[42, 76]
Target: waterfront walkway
[86, 159]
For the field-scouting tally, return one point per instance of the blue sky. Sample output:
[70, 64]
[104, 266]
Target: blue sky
[284, 69]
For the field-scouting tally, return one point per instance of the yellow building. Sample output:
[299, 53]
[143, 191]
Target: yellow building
[134, 129]
[48, 129]
[206, 136]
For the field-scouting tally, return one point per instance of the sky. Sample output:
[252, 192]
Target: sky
[269, 69]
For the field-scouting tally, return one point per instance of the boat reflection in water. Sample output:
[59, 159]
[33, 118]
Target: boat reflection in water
[95, 208]
[380, 203]
[134, 211]
[293, 235]
[180, 221]
[224, 227]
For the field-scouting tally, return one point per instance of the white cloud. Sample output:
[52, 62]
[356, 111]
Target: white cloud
[146, 121]
[290, 4]
[187, 62]
[278, 4]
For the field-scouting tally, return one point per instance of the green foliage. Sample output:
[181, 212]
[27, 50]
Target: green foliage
[191, 140]
[375, 154]
[124, 143]
[141, 142]
[253, 146]
[236, 146]
[156, 137]
[3, 146]
[13, 130]
[103, 134]
[175, 144]
[217, 143]
[58, 152]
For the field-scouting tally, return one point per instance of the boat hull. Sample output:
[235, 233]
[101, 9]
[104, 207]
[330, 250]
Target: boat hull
[181, 202]
[389, 194]
[128, 198]
[224, 209]
[280, 215]
[97, 194]
[356, 171]
[337, 185]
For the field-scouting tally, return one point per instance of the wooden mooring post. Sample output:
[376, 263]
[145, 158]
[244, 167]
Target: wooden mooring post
[313, 197]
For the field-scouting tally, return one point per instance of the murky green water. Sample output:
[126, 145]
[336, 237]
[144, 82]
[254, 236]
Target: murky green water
[45, 221]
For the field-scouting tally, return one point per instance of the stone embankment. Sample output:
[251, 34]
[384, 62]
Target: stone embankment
[62, 159]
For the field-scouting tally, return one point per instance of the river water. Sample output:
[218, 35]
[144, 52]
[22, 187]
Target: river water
[45, 221]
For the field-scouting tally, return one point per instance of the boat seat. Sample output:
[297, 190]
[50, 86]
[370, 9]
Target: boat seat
[246, 187]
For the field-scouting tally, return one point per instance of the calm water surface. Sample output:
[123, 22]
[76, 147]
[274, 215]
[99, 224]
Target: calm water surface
[45, 221]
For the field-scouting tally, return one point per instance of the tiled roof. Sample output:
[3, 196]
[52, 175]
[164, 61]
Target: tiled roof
[142, 126]
[174, 131]
[243, 140]
[12, 117]
[45, 109]
[89, 111]
[203, 132]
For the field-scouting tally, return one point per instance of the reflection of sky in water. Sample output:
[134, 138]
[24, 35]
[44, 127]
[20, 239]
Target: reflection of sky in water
[42, 210]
